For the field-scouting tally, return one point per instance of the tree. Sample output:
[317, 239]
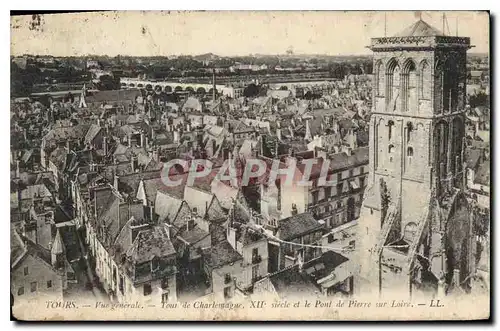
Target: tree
[251, 90]
[107, 82]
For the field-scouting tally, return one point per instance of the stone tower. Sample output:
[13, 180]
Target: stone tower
[414, 227]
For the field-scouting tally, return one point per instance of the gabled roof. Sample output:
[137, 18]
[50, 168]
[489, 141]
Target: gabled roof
[419, 29]
[222, 254]
[214, 211]
[92, 133]
[297, 225]
[149, 244]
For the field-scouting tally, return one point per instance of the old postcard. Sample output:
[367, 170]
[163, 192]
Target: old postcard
[250, 166]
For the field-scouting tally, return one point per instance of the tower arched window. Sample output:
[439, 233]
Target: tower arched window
[409, 131]
[380, 79]
[450, 85]
[390, 128]
[409, 85]
[392, 84]
[425, 81]
[390, 151]
[409, 152]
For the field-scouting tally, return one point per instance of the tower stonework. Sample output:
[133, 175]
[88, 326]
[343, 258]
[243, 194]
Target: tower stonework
[414, 227]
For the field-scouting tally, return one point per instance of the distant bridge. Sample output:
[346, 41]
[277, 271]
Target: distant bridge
[170, 86]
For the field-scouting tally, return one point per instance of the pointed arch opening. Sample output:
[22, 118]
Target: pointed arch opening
[409, 85]
[441, 147]
[380, 79]
[450, 85]
[425, 80]
[393, 78]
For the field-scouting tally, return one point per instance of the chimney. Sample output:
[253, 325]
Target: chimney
[136, 228]
[115, 181]
[105, 145]
[142, 139]
[176, 136]
[18, 172]
[134, 163]
[278, 134]
[308, 131]
[129, 138]
[151, 213]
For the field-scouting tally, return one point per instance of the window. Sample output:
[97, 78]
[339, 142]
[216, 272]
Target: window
[339, 188]
[227, 278]
[389, 129]
[20, 291]
[351, 173]
[391, 151]
[26, 271]
[33, 286]
[164, 283]
[315, 197]
[339, 204]
[409, 151]
[328, 192]
[147, 289]
[339, 176]
[227, 292]
[49, 284]
[255, 272]
[164, 298]
[330, 238]
[352, 243]
[409, 131]
[361, 170]
[425, 88]
[361, 182]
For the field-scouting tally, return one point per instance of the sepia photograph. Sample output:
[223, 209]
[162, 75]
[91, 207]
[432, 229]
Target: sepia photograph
[250, 166]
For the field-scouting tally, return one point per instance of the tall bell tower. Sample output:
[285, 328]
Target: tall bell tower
[417, 132]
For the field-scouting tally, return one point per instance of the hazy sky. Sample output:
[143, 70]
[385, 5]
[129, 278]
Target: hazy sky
[226, 33]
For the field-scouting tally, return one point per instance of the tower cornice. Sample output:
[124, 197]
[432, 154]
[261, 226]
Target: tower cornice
[418, 43]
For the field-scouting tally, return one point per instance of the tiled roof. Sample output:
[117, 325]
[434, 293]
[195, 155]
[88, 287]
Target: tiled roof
[113, 95]
[151, 243]
[166, 206]
[92, 133]
[222, 254]
[214, 211]
[483, 174]
[297, 225]
[419, 29]
[292, 282]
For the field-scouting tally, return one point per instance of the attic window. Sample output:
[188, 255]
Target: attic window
[409, 151]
